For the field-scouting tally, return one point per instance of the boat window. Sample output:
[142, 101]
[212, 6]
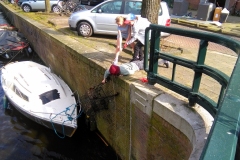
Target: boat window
[19, 93]
[49, 96]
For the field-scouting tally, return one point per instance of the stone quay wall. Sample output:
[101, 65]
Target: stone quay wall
[143, 122]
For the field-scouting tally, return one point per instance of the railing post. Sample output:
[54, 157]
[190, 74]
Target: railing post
[153, 54]
[198, 71]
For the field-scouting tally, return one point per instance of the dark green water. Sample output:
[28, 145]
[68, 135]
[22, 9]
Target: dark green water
[23, 139]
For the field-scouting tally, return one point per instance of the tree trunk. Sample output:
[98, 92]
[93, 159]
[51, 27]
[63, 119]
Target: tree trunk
[47, 6]
[150, 10]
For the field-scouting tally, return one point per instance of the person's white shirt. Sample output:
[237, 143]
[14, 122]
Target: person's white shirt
[138, 28]
[125, 69]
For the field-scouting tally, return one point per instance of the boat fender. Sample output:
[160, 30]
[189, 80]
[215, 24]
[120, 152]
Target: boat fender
[29, 49]
[87, 121]
[5, 102]
[6, 55]
[92, 123]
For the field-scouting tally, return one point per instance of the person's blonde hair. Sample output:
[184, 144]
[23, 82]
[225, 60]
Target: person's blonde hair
[118, 18]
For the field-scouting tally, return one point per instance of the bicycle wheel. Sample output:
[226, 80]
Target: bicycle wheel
[71, 6]
[78, 8]
[237, 13]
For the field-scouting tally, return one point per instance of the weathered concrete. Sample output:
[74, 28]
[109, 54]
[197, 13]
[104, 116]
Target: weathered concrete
[143, 122]
[195, 123]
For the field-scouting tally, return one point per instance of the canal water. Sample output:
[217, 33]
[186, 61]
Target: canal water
[23, 139]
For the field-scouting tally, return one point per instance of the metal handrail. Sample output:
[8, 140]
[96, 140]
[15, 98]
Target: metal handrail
[223, 136]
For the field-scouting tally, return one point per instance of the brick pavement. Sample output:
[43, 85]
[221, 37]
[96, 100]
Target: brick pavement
[218, 57]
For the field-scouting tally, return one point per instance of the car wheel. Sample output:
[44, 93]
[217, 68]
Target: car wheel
[26, 8]
[55, 9]
[89, 3]
[85, 29]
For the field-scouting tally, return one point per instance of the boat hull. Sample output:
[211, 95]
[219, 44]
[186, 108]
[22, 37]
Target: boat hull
[13, 44]
[68, 131]
[40, 96]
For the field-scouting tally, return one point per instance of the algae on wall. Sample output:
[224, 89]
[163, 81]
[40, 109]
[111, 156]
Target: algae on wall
[132, 133]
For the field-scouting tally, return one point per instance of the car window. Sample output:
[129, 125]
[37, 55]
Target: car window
[113, 7]
[133, 7]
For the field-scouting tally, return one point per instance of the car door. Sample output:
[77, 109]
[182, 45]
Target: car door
[52, 2]
[37, 4]
[106, 15]
[133, 7]
[41, 4]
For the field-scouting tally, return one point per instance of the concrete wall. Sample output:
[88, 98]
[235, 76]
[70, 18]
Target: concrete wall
[142, 122]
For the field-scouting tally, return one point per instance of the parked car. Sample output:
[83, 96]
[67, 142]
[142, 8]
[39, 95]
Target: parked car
[19, 2]
[101, 18]
[90, 2]
[39, 5]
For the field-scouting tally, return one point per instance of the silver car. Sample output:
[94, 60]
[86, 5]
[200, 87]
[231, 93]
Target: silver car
[39, 5]
[90, 2]
[101, 18]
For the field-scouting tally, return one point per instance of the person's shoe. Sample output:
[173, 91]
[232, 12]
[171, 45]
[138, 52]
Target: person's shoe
[166, 64]
[134, 59]
[140, 58]
[160, 62]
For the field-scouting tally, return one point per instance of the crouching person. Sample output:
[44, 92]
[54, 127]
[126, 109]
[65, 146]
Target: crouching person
[123, 69]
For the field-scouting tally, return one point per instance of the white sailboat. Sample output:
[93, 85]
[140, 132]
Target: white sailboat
[41, 96]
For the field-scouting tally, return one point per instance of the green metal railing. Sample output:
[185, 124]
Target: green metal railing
[223, 137]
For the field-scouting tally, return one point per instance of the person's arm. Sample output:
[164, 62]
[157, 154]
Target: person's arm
[106, 74]
[129, 33]
[119, 46]
[131, 41]
[135, 34]
[120, 40]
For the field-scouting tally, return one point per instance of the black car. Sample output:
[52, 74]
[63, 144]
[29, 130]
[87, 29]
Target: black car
[90, 2]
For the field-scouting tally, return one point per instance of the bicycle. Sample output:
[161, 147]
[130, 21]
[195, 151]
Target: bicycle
[66, 6]
[233, 10]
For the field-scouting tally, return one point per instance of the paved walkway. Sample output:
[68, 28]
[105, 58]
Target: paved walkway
[218, 57]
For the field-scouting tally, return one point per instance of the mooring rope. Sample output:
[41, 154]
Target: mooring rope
[69, 118]
[27, 44]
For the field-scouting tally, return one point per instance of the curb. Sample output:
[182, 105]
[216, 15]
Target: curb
[221, 30]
